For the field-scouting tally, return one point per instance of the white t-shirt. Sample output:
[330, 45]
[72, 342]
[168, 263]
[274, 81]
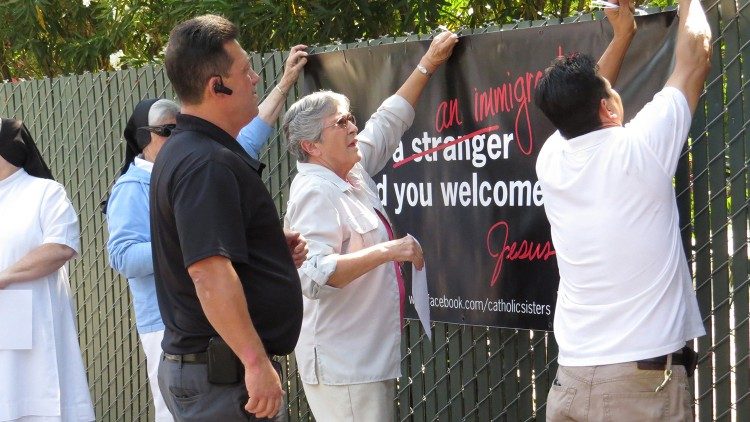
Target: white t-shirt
[625, 290]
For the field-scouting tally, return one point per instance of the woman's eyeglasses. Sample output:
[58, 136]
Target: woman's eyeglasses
[343, 121]
[161, 130]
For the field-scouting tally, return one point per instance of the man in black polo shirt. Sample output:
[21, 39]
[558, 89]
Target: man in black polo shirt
[222, 262]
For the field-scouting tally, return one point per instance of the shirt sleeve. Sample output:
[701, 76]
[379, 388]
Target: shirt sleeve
[663, 125]
[208, 214]
[254, 136]
[58, 219]
[382, 133]
[313, 215]
[129, 244]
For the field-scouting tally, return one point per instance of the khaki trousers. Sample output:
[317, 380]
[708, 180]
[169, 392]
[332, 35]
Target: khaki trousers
[370, 402]
[619, 392]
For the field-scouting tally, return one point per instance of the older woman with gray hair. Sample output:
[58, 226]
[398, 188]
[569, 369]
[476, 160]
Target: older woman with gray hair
[348, 353]
[129, 244]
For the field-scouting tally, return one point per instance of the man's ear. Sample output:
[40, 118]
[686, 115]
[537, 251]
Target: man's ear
[311, 148]
[208, 88]
[606, 113]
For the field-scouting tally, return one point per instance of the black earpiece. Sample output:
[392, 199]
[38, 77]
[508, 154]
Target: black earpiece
[220, 88]
[161, 130]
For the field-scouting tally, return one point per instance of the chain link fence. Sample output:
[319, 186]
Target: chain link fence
[464, 373]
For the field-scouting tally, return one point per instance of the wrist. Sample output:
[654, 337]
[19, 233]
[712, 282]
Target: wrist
[423, 70]
[428, 64]
[280, 90]
[251, 357]
[624, 35]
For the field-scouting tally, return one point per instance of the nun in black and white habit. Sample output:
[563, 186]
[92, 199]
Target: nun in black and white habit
[44, 380]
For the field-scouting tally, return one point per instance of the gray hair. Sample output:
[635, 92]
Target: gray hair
[304, 119]
[162, 111]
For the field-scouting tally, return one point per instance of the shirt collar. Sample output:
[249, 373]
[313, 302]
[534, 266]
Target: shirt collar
[591, 139]
[324, 173]
[142, 164]
[9, 180]
[187, 122]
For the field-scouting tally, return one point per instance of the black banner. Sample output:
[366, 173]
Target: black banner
[463, 181]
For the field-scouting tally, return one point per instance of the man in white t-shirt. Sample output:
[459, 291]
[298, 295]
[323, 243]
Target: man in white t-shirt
[626, 304]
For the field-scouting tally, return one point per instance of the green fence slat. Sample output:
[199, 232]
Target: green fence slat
[524, 363]
[717, 130]
[739, 157]
[439, 366]
[510, 379]
[736, 190]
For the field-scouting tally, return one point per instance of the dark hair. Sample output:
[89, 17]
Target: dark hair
[569, 94]
[195, 53]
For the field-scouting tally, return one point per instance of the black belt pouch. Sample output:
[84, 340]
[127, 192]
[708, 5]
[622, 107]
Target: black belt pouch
[223, 365]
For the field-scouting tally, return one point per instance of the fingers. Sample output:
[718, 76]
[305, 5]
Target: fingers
[411, 251]
[419, 264]
[263, 389]
[252, 405]
[297, 48]
[292, 237]
[297, 57]
[301, 249]
[441, 47]
[299, 254]
[418, 260]
[264, 408]
[294, 63]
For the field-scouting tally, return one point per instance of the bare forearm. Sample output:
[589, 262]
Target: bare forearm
[692, 51]
[612, 58]
[270, 108]
[412, 88]
[38, 263]
[353, 265]
[693, 36]
[223, 301]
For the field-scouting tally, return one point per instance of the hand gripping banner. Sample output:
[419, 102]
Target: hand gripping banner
[462, 180]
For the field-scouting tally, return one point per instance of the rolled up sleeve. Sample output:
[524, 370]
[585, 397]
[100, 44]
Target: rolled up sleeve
[313, 215]
[379, 138]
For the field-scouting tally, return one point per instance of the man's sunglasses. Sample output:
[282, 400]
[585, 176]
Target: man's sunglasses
[161, 130]
[343, 121]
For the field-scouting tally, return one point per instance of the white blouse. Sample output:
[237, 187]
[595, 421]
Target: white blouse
[349, 335]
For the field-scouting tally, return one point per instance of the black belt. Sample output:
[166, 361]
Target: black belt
[188, 358]
[194, 357]
[660, 363]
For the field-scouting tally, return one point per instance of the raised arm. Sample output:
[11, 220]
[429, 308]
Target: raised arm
[624, 27]
[440, 50]
[692, 52]
[255, 135]
[269, 109]
[382, 133]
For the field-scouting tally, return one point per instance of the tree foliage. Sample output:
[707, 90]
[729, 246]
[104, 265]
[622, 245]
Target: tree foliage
[54, 37]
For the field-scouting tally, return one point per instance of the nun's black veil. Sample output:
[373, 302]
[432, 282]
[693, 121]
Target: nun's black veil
[18, 148]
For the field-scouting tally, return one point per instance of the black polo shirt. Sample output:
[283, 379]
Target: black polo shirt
[207, 199]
